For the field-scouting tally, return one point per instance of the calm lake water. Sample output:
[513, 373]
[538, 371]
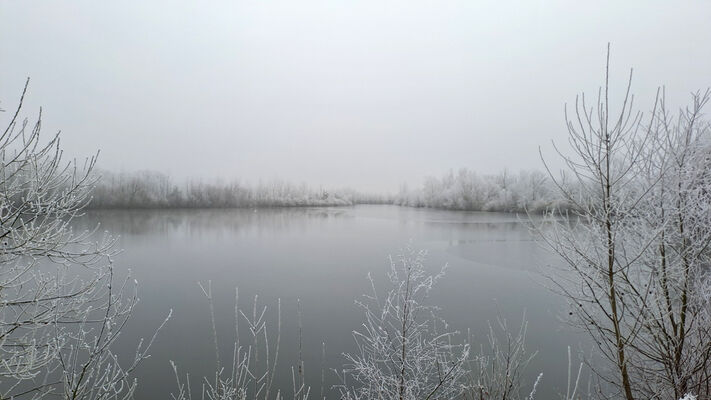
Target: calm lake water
[321, 256]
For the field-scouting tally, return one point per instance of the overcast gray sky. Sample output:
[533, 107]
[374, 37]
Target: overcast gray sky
[366, 94]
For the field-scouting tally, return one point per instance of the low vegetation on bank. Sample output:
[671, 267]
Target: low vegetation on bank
[527, 191]
[464, 190]
[150, 189]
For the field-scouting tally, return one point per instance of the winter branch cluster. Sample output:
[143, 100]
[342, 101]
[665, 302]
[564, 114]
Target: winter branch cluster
[636, 248]
[61, 307]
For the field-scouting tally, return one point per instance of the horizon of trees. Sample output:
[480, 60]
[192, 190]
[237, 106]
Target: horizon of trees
[525, 191]
[151, 189]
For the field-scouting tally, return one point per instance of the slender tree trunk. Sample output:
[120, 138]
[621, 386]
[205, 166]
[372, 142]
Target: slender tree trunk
[607, 206]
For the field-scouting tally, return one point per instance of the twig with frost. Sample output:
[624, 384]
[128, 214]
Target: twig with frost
[404, 350]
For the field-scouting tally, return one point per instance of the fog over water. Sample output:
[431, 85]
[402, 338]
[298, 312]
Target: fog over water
[321, 257]
[365, 94]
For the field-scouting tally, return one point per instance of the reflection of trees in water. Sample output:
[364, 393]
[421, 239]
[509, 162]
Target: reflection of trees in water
[199, 221]
[498, 239]
[455, 228]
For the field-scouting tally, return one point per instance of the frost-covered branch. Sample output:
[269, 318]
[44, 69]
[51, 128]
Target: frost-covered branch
[60, 308]
[405, 351]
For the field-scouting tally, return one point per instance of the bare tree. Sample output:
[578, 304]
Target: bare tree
[637, 245]
[604, 263]
[676, 337]
[404, 349]
[60, 306]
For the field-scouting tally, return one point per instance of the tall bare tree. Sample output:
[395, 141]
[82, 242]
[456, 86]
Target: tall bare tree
[606, 150]
[637, 243]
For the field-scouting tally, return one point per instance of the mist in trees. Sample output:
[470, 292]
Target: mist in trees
[527, 191]
[150, 189]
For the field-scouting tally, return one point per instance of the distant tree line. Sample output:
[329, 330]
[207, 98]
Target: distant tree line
[531, 191]
[151, 189]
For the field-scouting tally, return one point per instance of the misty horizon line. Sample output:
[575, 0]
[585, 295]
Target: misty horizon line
[103, 172]
[525, 191]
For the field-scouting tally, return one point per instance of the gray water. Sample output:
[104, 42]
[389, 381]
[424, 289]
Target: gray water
[321, 257]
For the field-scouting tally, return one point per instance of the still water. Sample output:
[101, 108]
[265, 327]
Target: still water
[320, 257]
